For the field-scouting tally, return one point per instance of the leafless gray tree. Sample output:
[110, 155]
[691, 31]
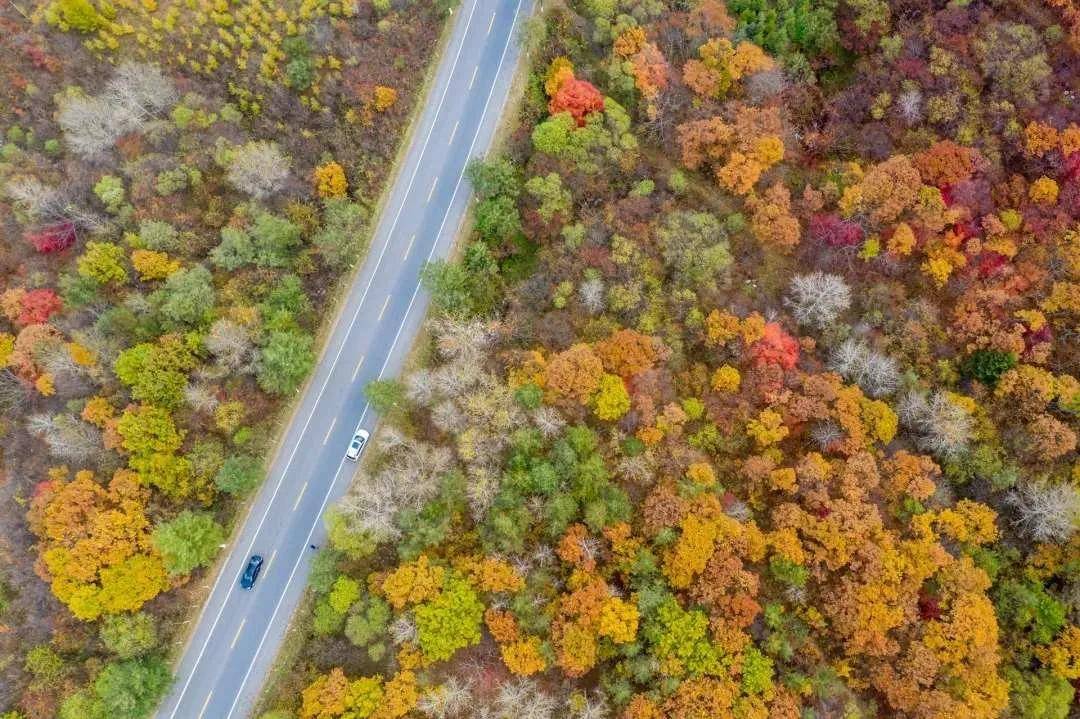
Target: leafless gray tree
[201, 397]
[259, 169]
[909, 106]
[14, 391]
[637, 469]
[392, 438]
[370, 506]
[941, 426]
[825, 435]
[417, 466]
[452, 698]
[466, 340]
[402, 630]
[455, 378]
[523, 699]
[91, 124]
[67, 436]
[407, 480]
[420, 387]
[1045, 511]
[877, 374]
[548, 420]
[42, 204]
[739, 510]
[142, 89]
[448, 417]
[231, 345]
[136, 93]
[32, 197]
[591, 293]
[817, 299]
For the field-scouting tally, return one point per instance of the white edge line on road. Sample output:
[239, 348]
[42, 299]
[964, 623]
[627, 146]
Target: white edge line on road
[328, 431]
[236, 636]
[299, 496]
[389, 354]
[357, 370]
[330, 371]
[205, 704]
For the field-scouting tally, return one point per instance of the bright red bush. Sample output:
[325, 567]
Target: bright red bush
[53, 238]
[834, 231]
[578, 97]
[991, 263]
[775, 347]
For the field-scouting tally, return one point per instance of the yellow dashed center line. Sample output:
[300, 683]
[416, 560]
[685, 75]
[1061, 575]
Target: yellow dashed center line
[205, 704]
[299, 497]
[238, 630]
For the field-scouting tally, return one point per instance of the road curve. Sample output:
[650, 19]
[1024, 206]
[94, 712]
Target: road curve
[239, 632]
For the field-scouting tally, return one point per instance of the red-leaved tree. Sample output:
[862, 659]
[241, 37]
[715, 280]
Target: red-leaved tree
[52, 238]
[38, 306]
[833, 231]
[776, 347]
[578, 97]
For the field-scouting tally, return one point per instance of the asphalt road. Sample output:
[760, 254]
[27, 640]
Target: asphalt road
[239, 632]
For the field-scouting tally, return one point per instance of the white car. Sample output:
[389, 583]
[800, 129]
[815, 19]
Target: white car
[356, 445]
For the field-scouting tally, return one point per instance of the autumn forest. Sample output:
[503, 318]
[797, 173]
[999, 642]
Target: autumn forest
[751, 389]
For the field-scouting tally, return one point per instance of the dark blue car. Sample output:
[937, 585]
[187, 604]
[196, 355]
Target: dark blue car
[251, 572]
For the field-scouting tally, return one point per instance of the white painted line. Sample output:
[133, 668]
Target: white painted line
[327, 437]
[383, 310]
[329, 374]
[473, 78]
[299, 496]
[357, 370]
[271, 560]
[389, 354]
[491, 24]
[433, 186]
[409, 248]
[236, 636]
[206, 704]
[453, 133]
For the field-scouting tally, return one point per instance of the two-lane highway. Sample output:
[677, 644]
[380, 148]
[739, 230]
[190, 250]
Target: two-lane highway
[238, 633]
